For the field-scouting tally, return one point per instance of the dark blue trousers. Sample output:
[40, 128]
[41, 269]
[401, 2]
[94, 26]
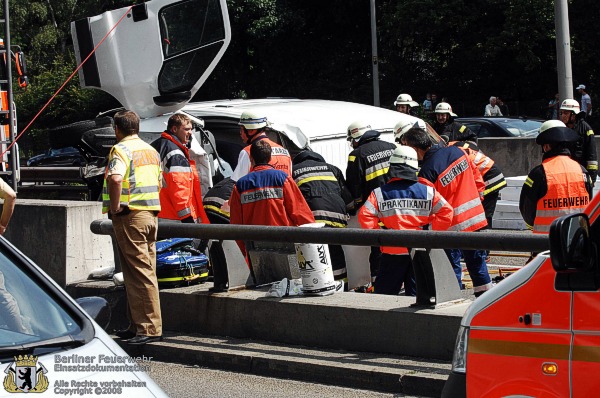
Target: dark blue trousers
[395, 270]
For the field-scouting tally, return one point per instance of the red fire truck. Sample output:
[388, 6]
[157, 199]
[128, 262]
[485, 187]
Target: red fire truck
[537, 334]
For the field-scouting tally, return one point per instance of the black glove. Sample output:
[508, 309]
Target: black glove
[188, 220]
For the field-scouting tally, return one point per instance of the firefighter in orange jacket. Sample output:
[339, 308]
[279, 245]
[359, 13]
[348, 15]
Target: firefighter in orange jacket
[267, 196]
[180, 193]
[492, 176]
[253, 128]
[560, 185]
[456, 178]
[402, 203]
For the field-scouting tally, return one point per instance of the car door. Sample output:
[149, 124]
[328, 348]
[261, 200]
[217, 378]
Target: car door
[158, 55]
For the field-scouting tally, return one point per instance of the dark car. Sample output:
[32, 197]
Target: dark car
[502, 126]
[68, 156]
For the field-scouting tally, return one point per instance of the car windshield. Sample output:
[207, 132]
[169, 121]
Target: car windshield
[28, 313]
[521, 127]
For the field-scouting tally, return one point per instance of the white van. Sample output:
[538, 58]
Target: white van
[48, 343]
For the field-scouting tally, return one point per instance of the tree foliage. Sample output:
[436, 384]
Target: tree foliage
[465, 50]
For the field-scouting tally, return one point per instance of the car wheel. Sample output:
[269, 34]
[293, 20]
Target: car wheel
[70, 134]
[101, 140]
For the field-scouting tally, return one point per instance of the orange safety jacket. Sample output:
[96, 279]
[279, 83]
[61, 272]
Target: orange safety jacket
[405, 205]
[280, 158]
[492, 176]
[455, 177]
[180, 193]
[268, 197]
[567, 193]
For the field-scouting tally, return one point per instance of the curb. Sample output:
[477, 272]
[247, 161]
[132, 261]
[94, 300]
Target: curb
[344, 369]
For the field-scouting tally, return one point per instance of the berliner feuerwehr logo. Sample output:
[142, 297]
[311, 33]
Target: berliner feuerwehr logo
[25, 374]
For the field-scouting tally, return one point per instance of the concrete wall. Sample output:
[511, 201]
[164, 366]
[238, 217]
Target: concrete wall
[56, 235]
[515, 156]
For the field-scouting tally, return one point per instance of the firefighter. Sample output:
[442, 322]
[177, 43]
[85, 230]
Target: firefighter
[584, 150]
[558, 186]
[444, 124]
[402, 127]
[404, 103]
[267, 196]
[180, 192]
[368, 164]
[253, 127]
[456, 178]
[324, 188]
[217, 213]
[492, 175]
[403, 204]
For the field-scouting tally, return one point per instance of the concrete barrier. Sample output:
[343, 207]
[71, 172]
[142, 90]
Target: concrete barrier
[515, 156]
[56, 235]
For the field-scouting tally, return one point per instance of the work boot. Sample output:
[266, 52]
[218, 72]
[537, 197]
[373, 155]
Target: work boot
[368, 288]
[220, 288]
[125, 334]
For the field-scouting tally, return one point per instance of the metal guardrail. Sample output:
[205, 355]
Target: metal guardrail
[51, 174]
[349, 236]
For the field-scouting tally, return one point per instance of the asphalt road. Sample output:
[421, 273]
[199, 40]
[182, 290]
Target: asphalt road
[181, 381]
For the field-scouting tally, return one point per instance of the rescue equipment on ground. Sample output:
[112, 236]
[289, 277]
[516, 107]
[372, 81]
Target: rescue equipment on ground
[293, 287]
[178, 263]
[315, 266]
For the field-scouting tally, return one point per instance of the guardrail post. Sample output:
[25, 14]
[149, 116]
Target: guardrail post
[237, 268]
[272, 261]
[436, 281]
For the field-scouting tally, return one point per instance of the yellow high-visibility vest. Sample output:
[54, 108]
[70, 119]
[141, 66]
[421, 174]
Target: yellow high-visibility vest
[141, 182]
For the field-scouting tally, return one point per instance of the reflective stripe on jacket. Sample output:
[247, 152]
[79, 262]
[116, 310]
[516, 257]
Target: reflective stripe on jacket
[268, 197]
[584, 150]
[492, 176]
[367, 167]
[324, 188]
[456, 178]
[455, 131]
[280, 159]
[216, 197]
[405, 205]
[567, 193]
[180, 192]
[140, 187]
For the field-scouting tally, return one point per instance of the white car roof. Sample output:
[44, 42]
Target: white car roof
[303, 120]
[318, 124]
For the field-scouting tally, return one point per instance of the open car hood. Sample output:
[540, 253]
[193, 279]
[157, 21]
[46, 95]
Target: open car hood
[158, 56]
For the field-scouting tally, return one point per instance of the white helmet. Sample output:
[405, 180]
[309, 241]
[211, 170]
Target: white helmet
[252, 121]
[405, 99]
[403, 126]
[554, 132]
[444, 107]
[357, 129]
[405, 155]
[570, 105]
[548, 124]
